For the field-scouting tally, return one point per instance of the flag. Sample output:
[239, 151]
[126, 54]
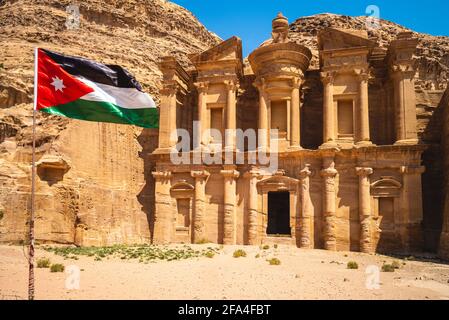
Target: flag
[87, 90]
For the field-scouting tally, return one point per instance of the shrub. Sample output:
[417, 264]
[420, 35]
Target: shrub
[388, 268]
[275, 246]
[395, 264]
[43, 263]
[1, 214]
[352, 265]
[274, 262]
[210, 254]
[257, 255]
[239, 253]
[265, 247]
[57, 267]
[202, 241]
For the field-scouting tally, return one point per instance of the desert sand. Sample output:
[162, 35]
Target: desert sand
[302, 274]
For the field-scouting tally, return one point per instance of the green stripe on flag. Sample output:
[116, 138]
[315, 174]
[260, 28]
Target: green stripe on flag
[106, 112]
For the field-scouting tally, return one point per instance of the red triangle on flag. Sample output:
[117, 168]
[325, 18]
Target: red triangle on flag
[55, 85]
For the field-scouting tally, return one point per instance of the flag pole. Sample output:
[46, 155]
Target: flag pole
[33, 189]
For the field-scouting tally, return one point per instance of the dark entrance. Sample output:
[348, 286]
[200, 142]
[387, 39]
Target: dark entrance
[278, 213]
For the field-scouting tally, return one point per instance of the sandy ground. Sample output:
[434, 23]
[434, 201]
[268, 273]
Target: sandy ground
[302, 274]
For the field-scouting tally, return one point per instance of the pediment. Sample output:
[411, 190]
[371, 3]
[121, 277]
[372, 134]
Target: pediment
[230, 49]
[386, 187]
[182, 189]
[278, 182]
[336, 38]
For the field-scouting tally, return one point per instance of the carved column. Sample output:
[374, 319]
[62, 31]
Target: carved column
[202, 112]
[363, 135]
[163, 215]
[365, 214]
[167, 118]
[295, 139]
[199, 229]
[305, 223]
[263, 116]
[252, 176]
[411, 216]
[230, 115]
[405, 104]
[229, 224]
[329, 207]
[328, 110]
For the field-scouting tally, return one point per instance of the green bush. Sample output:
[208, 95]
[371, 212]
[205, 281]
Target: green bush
[257, 255]
[275, 246]
[352, 265]
[239, 253]
[396, 264]
[57, 267]
[202, 241]
[43, 263]
[274, 262]
[210, 254]
[388, 268]
[265, 247]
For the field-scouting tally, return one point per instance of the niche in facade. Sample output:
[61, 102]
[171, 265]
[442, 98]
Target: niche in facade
[52, 169]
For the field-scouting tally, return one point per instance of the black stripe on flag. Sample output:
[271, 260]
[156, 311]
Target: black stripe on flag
[112, 75]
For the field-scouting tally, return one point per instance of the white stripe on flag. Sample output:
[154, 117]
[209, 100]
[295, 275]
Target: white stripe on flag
[129, 98]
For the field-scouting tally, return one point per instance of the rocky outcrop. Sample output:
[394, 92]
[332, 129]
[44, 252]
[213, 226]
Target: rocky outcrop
[93, 180]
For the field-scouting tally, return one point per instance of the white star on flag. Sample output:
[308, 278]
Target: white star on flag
[58, 84]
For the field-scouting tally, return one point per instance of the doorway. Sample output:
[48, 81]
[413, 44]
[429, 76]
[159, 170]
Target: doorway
[278, 213]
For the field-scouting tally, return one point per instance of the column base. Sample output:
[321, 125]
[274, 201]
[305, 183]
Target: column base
[329, 145]
[443, 250]
[406, 142]
[295, 148]
[165, 150]
[364, 143]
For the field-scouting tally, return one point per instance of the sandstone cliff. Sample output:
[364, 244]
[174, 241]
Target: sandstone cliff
[93, 179]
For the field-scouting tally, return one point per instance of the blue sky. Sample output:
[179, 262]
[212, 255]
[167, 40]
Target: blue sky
[251, 19]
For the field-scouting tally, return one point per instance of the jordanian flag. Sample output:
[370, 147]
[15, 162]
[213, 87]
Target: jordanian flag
[87, 90]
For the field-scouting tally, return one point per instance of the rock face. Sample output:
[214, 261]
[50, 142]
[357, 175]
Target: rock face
[93, 183]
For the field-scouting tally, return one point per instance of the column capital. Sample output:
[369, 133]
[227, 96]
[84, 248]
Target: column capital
[330, 172]
[230, 173]
[403, 70]
[362, 74]
[231, 85]
[260, 84]
[305, 172]
[200, 174]
[363, 171]
[253, 173]
[161, 175]
[296, 82]
[412, 169]
[327, 77]
[202, 86]
[169, 89]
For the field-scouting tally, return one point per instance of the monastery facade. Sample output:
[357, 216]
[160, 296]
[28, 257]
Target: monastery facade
[348, 173]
